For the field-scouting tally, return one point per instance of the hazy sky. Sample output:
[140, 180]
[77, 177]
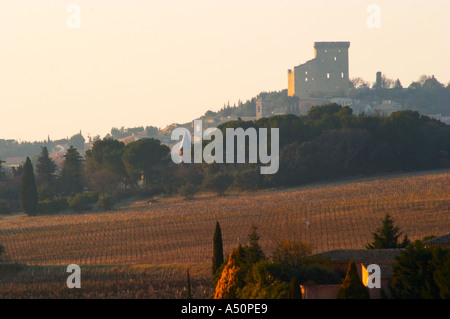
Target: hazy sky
[145, 62]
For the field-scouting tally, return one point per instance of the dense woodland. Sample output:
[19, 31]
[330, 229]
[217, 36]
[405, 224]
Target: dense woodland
[329, 143]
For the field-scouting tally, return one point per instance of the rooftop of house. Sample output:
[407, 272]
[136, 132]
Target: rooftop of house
[442, 240]
[386, 269]
[361, 255]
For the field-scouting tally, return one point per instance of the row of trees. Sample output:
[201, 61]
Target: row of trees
[330, 142]
[13, 148]
[108, 169]
[248, 273]
[426, 95]
[418, 272]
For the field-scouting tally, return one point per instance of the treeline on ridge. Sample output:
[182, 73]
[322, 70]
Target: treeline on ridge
[328, 143]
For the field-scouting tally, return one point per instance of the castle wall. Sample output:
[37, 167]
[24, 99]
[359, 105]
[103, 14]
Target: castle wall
[325, 75]
[291, 83]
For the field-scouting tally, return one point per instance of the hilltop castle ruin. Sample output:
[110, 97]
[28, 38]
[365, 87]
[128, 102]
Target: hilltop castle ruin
[324, 76]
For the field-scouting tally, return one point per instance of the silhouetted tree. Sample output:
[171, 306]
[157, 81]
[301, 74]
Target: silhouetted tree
[45, 168]
[352, 287]
[106, 154]
[28, 191]
[105, 166]
[217, 249]
[72, 178]
[387, 236]
[142, 157]
[255, 252]
[218, 182]
[412, 276]
[189, 293]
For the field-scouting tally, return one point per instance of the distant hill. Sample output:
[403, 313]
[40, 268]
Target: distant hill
[426, 95]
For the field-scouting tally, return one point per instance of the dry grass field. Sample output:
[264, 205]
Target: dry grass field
[176, 233]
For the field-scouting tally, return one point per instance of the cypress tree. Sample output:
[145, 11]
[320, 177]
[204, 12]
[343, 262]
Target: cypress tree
[28, 191]
[189, 293]
[217, 249]
[352, 287]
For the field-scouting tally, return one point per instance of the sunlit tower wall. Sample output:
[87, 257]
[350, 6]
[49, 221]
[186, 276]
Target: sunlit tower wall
[259, 108]
[326, 75]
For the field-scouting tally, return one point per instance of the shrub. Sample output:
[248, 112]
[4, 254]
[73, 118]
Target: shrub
[218, 183]
[46, 206]
[247, 179]
[188, 191]
[106, 202]
[50, 206]
[78, 202]
[4, 207]
[91, 197]
[291, 253]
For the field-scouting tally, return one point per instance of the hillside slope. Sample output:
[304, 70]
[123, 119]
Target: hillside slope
[341, 215]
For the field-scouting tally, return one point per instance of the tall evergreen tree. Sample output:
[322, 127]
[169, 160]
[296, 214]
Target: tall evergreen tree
[72, 179]
[387, 236]
[255, 252]
[416, 273]
[45, 168]
[28, 191]
[352, 287]
[217, 249]
[189, 293]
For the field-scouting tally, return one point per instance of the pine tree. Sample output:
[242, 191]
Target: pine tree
[387, 236]
[217, 249]
[45, 168]
[72, 180]
[352, 287]
[254, 250]
[28, 191]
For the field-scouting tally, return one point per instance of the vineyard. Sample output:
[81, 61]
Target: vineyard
[174, 234]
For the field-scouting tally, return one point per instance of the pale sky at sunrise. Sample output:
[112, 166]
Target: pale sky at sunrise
[146, 62]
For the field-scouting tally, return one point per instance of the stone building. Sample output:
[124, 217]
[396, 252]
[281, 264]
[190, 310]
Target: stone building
[259, 108]
[324, 76]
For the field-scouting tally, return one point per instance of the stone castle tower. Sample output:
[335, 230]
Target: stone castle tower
[325, 75]
[259, 108]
